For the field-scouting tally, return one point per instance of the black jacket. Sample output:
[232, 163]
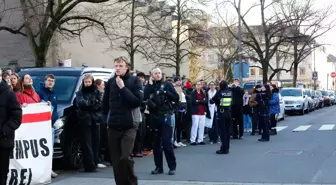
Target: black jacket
[237, 96]
[10, 115]
[159, 97]
[119, 104]
[89, 105]
[194, 104]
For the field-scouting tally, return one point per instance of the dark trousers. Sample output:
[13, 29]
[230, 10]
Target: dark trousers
[140, 138]
[162, 142]
[179, 125]
[121, 144]
[224, 125]
[255, 120]
[238, 121]
[148, 136]
[90, 139]
[273, 121]
[264, 124]
[213, 132]
[4, 164]
[104, 148]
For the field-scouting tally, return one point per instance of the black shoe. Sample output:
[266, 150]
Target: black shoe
[263, 140]
[252, 134]
[157, 171]
[193, 143]
[234, 137]
[222, 152]
[91, 170]
[241, 137]
[201, 143]
[171, 172]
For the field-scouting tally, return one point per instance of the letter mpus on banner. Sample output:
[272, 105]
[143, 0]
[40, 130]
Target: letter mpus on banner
[31, 160]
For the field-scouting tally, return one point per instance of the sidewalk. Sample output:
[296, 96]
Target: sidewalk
[105, 181]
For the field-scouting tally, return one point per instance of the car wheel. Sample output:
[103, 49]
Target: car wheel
[74, 154]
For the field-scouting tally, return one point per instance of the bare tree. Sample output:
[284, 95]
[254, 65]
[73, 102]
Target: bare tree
[42, 19]
[131, 25]
[259, 42]
[306, 25]
[187, 29]
[225, 48]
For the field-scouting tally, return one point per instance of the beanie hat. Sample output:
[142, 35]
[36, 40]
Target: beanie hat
[177, 79]
[188, 85]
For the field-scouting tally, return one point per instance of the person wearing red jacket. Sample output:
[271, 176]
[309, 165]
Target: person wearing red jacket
[27, 94]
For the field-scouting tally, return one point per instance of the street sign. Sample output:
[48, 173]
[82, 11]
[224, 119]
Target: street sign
[238, 66]
[333, 74]
[314, 75]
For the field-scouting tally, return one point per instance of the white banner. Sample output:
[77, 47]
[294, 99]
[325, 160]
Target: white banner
[31, 161]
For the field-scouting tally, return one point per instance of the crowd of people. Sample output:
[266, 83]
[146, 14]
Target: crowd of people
[130, 116]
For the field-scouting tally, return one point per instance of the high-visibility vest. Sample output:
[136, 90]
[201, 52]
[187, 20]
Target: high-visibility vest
[225, 102]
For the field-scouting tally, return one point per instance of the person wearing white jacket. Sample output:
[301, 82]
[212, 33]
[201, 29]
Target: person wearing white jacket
[212, 122]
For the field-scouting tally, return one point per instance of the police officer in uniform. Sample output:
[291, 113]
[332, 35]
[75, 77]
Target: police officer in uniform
[223, 100]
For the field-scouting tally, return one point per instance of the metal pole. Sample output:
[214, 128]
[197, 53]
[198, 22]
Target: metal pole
[327, 80]
[239, 44]
[314, 70]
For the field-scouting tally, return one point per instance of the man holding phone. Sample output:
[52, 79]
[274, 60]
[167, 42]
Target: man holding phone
[121, 109]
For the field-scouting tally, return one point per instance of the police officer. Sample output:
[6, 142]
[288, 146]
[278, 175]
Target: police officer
[223, 100]
[159, 96]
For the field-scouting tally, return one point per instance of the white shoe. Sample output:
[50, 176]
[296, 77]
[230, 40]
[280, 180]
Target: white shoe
[177, 144]
[101, 166]
[182, 144]
[53, 174]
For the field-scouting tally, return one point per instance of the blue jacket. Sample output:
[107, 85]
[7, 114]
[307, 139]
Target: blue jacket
[274, 104]
[49, 95]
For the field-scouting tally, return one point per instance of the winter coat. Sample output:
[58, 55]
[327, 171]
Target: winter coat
[10, 115]
[28, 96]
[274, 104]
[49, 95]
[121, 107]
[89, 105]
[204, 102]
[263, 103]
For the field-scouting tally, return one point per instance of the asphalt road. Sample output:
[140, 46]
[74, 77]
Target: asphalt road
[303, 152]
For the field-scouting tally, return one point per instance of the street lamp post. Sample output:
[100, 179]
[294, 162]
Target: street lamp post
[239, 34]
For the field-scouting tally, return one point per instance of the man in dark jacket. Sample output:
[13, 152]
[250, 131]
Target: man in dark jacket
[121, 106]
[10, 120]
[237, 110]
[160, 96]
[46, 94]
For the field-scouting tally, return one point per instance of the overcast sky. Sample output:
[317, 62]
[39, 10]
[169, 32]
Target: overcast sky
[253, 18]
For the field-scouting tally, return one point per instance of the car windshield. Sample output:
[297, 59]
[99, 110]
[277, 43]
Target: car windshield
[251, 85]
[308, 93]
[291, 92]
[331, 93]
[324, 93]
[64, 86]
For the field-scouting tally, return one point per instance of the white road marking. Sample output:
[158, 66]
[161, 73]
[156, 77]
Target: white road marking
[281, 128]
[301, 128]
[327, 127]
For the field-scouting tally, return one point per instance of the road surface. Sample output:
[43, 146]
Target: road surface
[303, 152]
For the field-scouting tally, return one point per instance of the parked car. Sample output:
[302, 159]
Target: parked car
[326, 98]
[67, 147]
[332, 97]
[319, 95]
[310, 100]
[295, 99]
[316, 100]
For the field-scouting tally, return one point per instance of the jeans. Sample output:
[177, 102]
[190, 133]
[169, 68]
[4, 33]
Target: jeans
[247, 121]
[173, 125]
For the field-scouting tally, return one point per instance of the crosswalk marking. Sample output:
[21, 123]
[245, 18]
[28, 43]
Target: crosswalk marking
[281, 128]
[301, 128]
[327, 127]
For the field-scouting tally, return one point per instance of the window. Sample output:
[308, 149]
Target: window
[260, 72]
[302, 71]
[64, 86]
[253, 71]
[291, 92]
